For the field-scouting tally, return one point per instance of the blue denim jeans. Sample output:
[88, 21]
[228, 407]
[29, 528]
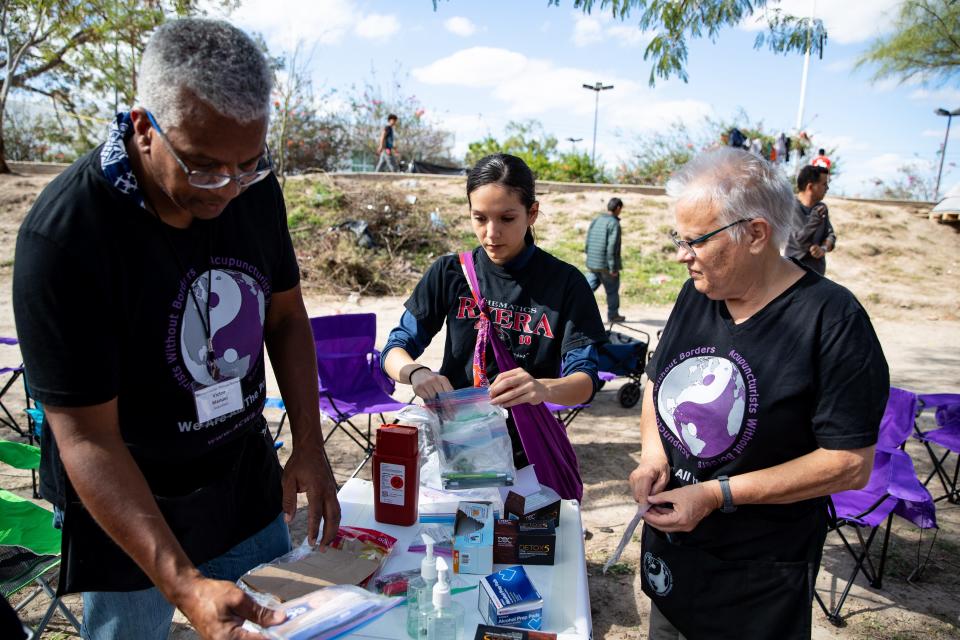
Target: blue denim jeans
[146, 615]
[611, 285]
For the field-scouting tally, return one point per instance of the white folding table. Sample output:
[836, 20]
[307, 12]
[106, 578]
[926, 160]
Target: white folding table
[566, 607]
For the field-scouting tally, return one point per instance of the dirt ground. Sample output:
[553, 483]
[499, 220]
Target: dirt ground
[902, 267]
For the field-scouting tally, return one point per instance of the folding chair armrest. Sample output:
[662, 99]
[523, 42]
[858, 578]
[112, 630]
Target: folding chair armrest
[385, 382]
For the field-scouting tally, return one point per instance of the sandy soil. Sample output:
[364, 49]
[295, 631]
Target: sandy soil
[902, 267]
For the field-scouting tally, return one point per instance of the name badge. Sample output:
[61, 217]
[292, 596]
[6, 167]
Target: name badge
[218, 400]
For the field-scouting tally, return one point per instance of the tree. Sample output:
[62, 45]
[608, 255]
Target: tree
[528, 141]
[417, 137]
[673, 22]
[76, 52]
[924, 44]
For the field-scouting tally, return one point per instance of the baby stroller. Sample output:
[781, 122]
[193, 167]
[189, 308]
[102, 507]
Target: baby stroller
[625, 355]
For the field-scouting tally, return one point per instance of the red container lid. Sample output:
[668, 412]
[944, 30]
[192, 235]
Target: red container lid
[397, 440]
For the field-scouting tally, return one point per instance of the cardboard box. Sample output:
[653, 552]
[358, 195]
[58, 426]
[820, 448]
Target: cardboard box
[488, 632]
[508, 598]
[542, 505]
[473, 538]
[536, 542]
[505, 534]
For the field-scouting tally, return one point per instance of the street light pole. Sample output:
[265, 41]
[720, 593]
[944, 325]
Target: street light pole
[598, 87]
[574, 141]
[943, 149]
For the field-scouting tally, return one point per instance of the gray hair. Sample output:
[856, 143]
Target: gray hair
[213, 60]
[736, 184]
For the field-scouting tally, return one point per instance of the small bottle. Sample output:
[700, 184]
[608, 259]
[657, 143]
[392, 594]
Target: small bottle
[420, 591]
[444, 621]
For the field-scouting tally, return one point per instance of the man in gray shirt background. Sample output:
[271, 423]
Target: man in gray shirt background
[603, 257]
[814, 236]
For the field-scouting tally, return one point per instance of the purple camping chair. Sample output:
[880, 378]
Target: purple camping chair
[13, 374]
[893, 489]
[351, 382]
[947, 436]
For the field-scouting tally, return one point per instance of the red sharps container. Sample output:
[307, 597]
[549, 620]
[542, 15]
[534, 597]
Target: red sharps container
[396, 475]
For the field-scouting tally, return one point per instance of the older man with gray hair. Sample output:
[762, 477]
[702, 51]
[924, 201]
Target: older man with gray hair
[148, 277]
[765, 396]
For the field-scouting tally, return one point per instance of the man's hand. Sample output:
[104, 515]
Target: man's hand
[650, 477]
[515, 387]
[614, 274]
[308, 471]
[690, 504]
[427, 384]
[816, 251]
[217, 609]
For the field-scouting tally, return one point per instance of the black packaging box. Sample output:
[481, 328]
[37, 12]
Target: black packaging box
[542, 505]
[505, 534]
[536, 542]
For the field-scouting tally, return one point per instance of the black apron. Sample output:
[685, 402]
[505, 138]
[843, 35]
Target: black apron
[707, 598]
[207, 521]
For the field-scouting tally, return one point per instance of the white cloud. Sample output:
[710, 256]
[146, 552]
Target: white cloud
[949, 97]
[460, 26]
[932, 133]
[847, 22]
[377, 26]
[311, 22]
[844, 65]
[518, 82]
[473, 67]
[588, 30]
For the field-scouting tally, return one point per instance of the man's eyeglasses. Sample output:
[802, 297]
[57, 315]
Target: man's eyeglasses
[208, 180]
[687, 245]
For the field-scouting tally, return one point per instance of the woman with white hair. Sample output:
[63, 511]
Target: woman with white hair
[767, 389]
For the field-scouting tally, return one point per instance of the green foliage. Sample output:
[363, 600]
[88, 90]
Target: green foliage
[661, 153]
[911, 183]
[35, 136]
[54, 47]
[528, 140]
[302, 138]
[416, 136]
[924, 44]
[672, 23]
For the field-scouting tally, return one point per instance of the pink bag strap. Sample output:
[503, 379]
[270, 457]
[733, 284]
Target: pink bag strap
[483, 331]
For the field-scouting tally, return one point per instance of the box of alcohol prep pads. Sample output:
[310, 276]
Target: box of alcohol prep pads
[509, 599]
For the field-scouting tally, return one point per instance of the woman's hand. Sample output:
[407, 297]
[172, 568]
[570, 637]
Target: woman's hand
[650, 477]
[682, 509]
[427, 383]
[516, 387]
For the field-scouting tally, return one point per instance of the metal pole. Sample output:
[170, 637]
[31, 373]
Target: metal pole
[806, 68]
[596, 111]
[943, 153]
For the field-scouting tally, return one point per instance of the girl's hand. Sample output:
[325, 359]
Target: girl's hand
[516, 387]
[427, 384]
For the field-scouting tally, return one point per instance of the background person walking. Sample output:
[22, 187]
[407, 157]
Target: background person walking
[385, 146]
[603, 257]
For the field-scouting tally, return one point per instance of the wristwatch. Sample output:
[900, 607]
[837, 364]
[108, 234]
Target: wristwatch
[728, 506]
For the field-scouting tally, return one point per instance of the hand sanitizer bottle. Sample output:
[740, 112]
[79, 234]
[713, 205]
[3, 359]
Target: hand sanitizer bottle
[420, 591]
[444, 621]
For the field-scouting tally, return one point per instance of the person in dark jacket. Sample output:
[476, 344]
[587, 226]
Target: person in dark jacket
[603, 257]
[814, 236]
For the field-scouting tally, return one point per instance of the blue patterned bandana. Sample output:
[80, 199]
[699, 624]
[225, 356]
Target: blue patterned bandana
[114, 161]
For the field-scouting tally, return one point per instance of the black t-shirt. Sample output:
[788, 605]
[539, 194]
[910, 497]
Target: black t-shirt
[103, 304]
[804, 372]
[542, 311]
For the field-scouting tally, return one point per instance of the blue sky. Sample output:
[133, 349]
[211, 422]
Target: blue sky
[478, 65]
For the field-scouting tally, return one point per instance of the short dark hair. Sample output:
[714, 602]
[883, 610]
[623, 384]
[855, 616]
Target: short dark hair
[507, 171]
[822, 152]
[392, 116]
[809, 175]
[614, 204]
